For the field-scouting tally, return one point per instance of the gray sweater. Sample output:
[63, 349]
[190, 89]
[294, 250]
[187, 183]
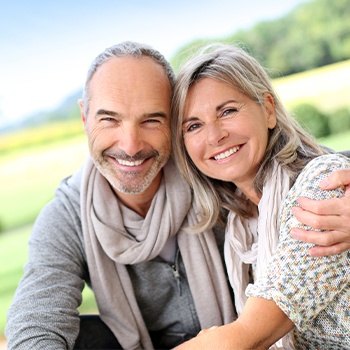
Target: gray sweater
[44, 313]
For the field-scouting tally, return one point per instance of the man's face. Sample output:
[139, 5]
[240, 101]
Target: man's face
[128, 123]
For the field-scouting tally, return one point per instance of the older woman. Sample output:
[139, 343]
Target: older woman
[239, 149]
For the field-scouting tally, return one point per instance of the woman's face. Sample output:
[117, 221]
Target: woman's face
[225, 132]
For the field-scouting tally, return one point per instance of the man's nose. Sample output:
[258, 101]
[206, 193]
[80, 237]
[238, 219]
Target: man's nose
[130, 140]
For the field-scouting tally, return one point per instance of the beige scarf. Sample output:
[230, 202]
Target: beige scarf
[254, 240]
[109, 247]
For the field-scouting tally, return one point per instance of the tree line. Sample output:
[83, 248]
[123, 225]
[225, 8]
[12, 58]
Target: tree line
[316, 33]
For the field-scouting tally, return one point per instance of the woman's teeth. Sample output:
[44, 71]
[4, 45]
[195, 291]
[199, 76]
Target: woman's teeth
[227, 153]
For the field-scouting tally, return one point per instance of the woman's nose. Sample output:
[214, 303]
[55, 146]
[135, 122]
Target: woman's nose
[216, 132]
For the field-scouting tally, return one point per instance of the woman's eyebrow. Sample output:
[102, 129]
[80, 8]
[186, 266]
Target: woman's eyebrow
[218, 108]
[225, 103]
[189, 119]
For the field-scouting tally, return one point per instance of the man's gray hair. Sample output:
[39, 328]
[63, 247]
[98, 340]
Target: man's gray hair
[125, 49]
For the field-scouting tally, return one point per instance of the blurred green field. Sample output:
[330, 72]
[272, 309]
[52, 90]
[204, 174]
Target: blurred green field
[29, 177]
[326, 87]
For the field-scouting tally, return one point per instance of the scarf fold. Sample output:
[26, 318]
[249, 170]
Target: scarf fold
[254, 240]
[109, 247]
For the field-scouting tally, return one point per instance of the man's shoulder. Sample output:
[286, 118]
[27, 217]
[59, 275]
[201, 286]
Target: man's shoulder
[346, 153]
[70, 186]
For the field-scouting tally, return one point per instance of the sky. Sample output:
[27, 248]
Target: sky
[46, 47]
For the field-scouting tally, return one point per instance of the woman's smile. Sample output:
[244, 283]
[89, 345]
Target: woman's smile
[227, 153]
[225, 132]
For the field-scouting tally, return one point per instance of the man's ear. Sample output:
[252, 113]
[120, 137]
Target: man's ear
[269, 105]
[82, 113]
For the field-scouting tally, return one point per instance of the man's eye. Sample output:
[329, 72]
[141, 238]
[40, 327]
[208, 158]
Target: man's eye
[107, 119]
[152, 121]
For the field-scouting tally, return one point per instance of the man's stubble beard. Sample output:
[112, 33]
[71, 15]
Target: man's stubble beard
[131, 182]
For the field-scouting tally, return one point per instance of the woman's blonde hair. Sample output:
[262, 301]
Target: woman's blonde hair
[288, 143]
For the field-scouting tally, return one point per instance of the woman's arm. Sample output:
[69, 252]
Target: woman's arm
[259, 326]
[332, 215]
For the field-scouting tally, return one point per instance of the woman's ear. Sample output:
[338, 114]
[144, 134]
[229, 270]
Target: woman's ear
[269, 105]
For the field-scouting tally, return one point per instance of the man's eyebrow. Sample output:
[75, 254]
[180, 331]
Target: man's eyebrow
[145, 115]
[156, 114]
[106, 112]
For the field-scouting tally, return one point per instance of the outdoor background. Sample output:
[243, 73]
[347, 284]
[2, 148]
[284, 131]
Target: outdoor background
[47, 47]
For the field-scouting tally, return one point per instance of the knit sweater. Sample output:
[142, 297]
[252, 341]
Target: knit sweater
[313, 292]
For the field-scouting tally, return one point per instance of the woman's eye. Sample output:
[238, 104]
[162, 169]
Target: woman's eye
[229, 111]
[192, 127]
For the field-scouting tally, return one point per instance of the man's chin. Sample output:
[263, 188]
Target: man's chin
[131, 189]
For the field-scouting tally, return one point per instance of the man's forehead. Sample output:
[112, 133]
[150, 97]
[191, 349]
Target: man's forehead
[131, 86]
[129, 67]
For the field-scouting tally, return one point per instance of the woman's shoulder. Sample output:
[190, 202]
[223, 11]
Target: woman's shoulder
[318, 169]
[335, 159]
[325, 164]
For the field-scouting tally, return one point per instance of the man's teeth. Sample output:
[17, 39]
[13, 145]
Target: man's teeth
[127, 163]
[227, 153]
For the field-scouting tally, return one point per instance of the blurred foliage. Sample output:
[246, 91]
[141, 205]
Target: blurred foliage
[311, 119]
[321, 124]
[314, 34]
[339, 121]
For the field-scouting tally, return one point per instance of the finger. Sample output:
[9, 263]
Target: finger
[336, 179]
[331, 250]
[326, 238]
[320, 222]
[334, 206]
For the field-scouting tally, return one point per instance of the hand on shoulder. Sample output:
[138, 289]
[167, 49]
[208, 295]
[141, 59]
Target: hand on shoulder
[332, 215]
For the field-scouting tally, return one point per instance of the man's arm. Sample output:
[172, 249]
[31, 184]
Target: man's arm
[331, 215]
[43, 314]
